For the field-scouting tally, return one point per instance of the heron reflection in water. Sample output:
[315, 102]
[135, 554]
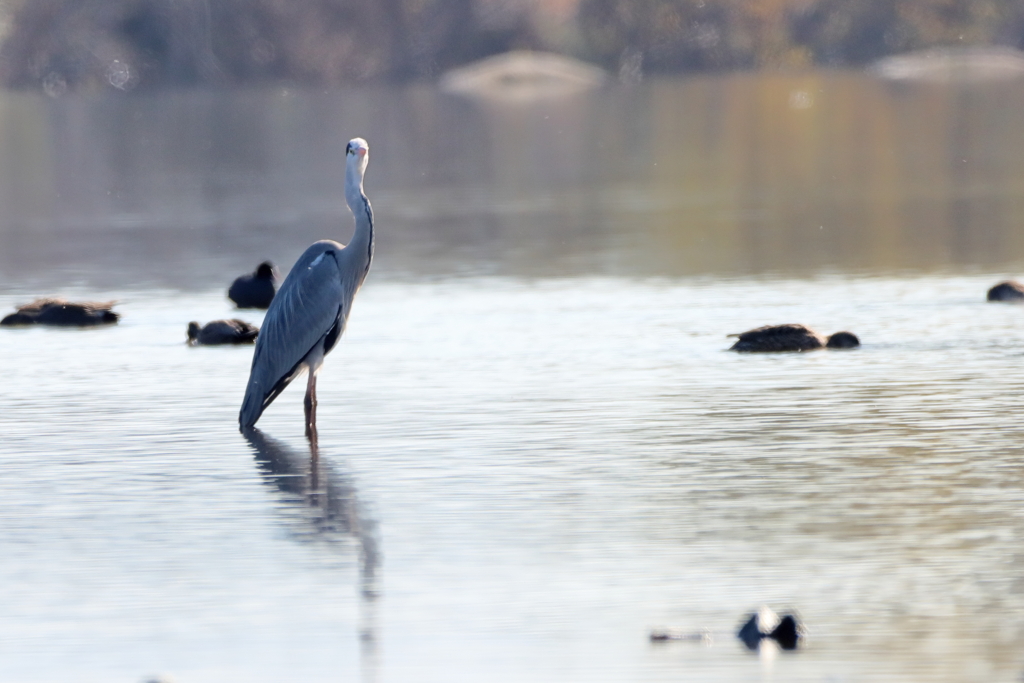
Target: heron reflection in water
[326, 496]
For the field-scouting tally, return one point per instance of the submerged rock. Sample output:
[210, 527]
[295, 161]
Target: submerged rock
[790, 337]
[953, 65]
[523, 75]
[232, 331]
[62, 313]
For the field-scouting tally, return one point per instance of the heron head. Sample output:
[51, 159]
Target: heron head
[357, 154]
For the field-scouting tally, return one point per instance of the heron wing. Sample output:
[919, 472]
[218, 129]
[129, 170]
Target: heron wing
[308, 306]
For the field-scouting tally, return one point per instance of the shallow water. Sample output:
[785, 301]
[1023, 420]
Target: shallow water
[534, 448]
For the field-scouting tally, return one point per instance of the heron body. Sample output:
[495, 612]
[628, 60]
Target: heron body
[791, 337]
[63, 313]
[309, 312]
[255, 290]
[232, 331]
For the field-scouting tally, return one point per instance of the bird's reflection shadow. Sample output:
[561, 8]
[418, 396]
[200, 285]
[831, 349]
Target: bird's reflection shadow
[328, 500]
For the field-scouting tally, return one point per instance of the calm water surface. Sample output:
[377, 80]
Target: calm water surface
[534, 446]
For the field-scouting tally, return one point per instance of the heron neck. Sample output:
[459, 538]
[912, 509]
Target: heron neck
[362, 240]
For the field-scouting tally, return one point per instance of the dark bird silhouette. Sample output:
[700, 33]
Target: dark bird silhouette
[791, 337]
[232, 331]
[1009, 290]
[766, 624]
[63, 313]
[255, 290]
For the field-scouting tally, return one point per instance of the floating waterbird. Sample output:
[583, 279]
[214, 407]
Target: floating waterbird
[1009, 290]
[63, 313]
[308, 315]
[766, 624]
[791, 337]
[255, 290]
[763, 624]
[232, 331]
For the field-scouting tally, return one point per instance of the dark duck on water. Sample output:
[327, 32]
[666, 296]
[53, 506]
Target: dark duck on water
[232, 331]
[62, 313]
[791, 337]
[255, 290]
[1009, 290]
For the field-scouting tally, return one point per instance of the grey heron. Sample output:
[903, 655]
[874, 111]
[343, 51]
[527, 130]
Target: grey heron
[232, 331]
[308, 315]
[63, 313]
[1010, 290]
[255, 290]
[791, 337]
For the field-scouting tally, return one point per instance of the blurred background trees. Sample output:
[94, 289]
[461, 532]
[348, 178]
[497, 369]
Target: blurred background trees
[126, 43]
[57, 44]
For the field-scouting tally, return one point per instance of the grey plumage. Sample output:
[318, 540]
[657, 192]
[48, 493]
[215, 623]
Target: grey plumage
[309, 312]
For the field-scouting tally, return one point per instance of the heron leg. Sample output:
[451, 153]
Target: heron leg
[310, 405]
[314, 470]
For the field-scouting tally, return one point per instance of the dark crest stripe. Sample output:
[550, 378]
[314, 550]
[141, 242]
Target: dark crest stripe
[369, 246]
